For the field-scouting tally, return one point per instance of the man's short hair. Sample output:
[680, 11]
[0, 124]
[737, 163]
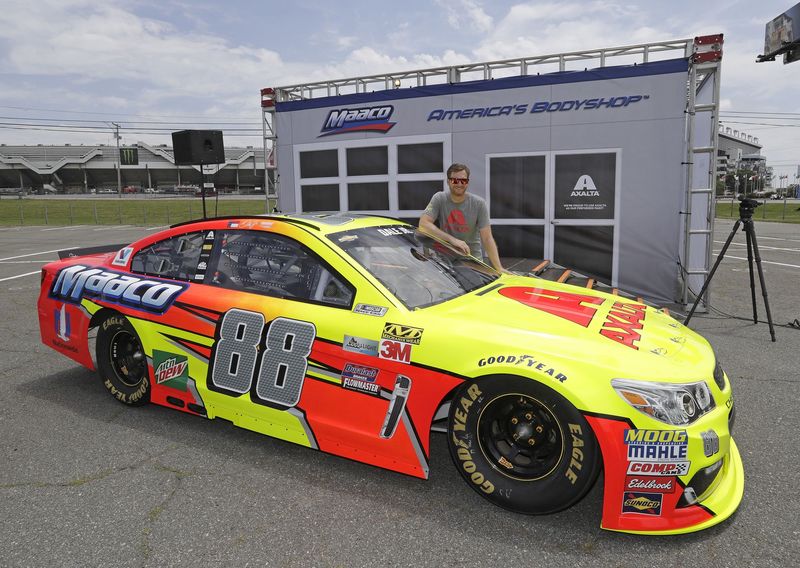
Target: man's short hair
[456, 167]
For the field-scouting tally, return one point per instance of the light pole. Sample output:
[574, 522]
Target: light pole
[119, 160]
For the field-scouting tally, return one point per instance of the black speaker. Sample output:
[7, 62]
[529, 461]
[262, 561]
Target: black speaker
[198, 147]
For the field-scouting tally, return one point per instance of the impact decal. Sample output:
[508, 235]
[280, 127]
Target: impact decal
[652, 484]
[395, 350]
[404, 333]
[710, 443]
[170, 369]
[368, 119]
[360, 345]
[526, 360]
[656, 445]
[623, 322]
[642, 503]
[370, 310]
[76, 282]
[665, 469]
[361, 379]
[565, 305]
[122, 257]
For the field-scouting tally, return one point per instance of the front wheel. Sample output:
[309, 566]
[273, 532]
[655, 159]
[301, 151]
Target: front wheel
[121, 361]
[522, 445]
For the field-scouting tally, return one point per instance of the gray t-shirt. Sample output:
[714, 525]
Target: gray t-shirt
[462, 220]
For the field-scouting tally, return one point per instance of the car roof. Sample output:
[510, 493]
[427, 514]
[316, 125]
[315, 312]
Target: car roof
[324, 222]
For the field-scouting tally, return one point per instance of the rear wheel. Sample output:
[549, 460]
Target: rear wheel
[121, 361]
[522, 445]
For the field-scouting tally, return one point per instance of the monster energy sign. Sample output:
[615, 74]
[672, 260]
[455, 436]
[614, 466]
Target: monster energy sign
[129, 156]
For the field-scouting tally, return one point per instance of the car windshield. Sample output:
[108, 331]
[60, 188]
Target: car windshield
[419, 270]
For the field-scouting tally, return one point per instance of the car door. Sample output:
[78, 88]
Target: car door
[296, 351]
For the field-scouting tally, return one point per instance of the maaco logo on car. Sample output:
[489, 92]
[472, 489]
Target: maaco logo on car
[76, 282]
[368, 119]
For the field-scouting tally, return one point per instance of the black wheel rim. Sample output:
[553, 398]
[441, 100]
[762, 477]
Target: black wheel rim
[127, 358]
[521, 437]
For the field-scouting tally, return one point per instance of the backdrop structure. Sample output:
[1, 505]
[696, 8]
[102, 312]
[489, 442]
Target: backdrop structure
[593, 169]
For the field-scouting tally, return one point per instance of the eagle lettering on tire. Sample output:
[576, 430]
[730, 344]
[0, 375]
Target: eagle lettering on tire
[521, 445]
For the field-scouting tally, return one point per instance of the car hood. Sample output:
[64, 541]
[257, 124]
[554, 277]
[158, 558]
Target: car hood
[534, 314]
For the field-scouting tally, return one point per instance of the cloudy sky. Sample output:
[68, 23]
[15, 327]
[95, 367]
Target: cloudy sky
[68, 68]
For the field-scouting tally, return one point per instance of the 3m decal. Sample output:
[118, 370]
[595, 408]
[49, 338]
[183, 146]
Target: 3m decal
[652, 484]
[122, 257]
[76, 282]
[170, 369]
[659, 468]
[565, 305]
[710, 443]
[395, 350]
[404, 333]
[523, 360]
[360, 378]
[642, 503]
[360, 345]
[277, 365]
[656, 445]
[623, 322]
[370, 310]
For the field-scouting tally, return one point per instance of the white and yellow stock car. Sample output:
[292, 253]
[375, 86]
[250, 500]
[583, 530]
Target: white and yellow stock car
[358, 336]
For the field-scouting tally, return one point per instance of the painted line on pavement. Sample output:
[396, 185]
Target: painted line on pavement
[37, 253]
[20, 275]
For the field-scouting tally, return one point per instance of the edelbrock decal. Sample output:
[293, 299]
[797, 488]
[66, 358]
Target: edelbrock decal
[76, 282]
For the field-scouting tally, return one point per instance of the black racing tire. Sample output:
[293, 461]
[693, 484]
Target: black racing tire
[522, 445]
[121, 361]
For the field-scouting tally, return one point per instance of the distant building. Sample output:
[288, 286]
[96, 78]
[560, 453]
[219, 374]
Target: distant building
[86, 169]
[736, 151]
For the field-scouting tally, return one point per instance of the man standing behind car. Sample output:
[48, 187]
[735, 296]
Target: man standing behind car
[463, 218]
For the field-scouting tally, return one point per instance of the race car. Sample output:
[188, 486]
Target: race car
[359, 336]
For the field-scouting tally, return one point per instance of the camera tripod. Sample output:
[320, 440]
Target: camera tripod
[746, 208]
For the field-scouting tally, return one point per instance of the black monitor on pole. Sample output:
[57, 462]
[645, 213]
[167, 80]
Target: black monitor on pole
[198, 148]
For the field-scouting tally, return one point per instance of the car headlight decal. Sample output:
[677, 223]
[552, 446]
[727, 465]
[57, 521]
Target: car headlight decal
[675, 404]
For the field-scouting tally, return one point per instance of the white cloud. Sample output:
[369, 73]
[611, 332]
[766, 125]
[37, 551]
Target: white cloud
[466, 13]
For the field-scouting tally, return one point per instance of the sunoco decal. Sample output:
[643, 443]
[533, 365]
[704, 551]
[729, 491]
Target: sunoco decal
[368, 119]
[76, 282]
[642, 503]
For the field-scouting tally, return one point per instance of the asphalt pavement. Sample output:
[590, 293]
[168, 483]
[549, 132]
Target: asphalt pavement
[86, 481]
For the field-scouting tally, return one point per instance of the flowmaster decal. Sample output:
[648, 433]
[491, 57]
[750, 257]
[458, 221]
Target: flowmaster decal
[76, 282]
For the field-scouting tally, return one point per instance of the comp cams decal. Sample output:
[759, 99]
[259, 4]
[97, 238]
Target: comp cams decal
[76, 282]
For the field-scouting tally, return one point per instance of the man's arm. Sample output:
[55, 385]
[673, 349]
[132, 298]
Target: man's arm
[426, 225]
[487, 239]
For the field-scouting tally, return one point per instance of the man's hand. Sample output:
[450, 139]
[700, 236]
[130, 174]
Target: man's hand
[460, 246]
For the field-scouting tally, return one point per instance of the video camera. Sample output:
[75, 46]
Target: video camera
[747, 206]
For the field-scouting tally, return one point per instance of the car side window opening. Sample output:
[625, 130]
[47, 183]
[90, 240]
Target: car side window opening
[175, 258]
[274, 265]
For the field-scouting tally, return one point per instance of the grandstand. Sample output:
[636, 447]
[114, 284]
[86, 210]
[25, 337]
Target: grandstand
[90, 169]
